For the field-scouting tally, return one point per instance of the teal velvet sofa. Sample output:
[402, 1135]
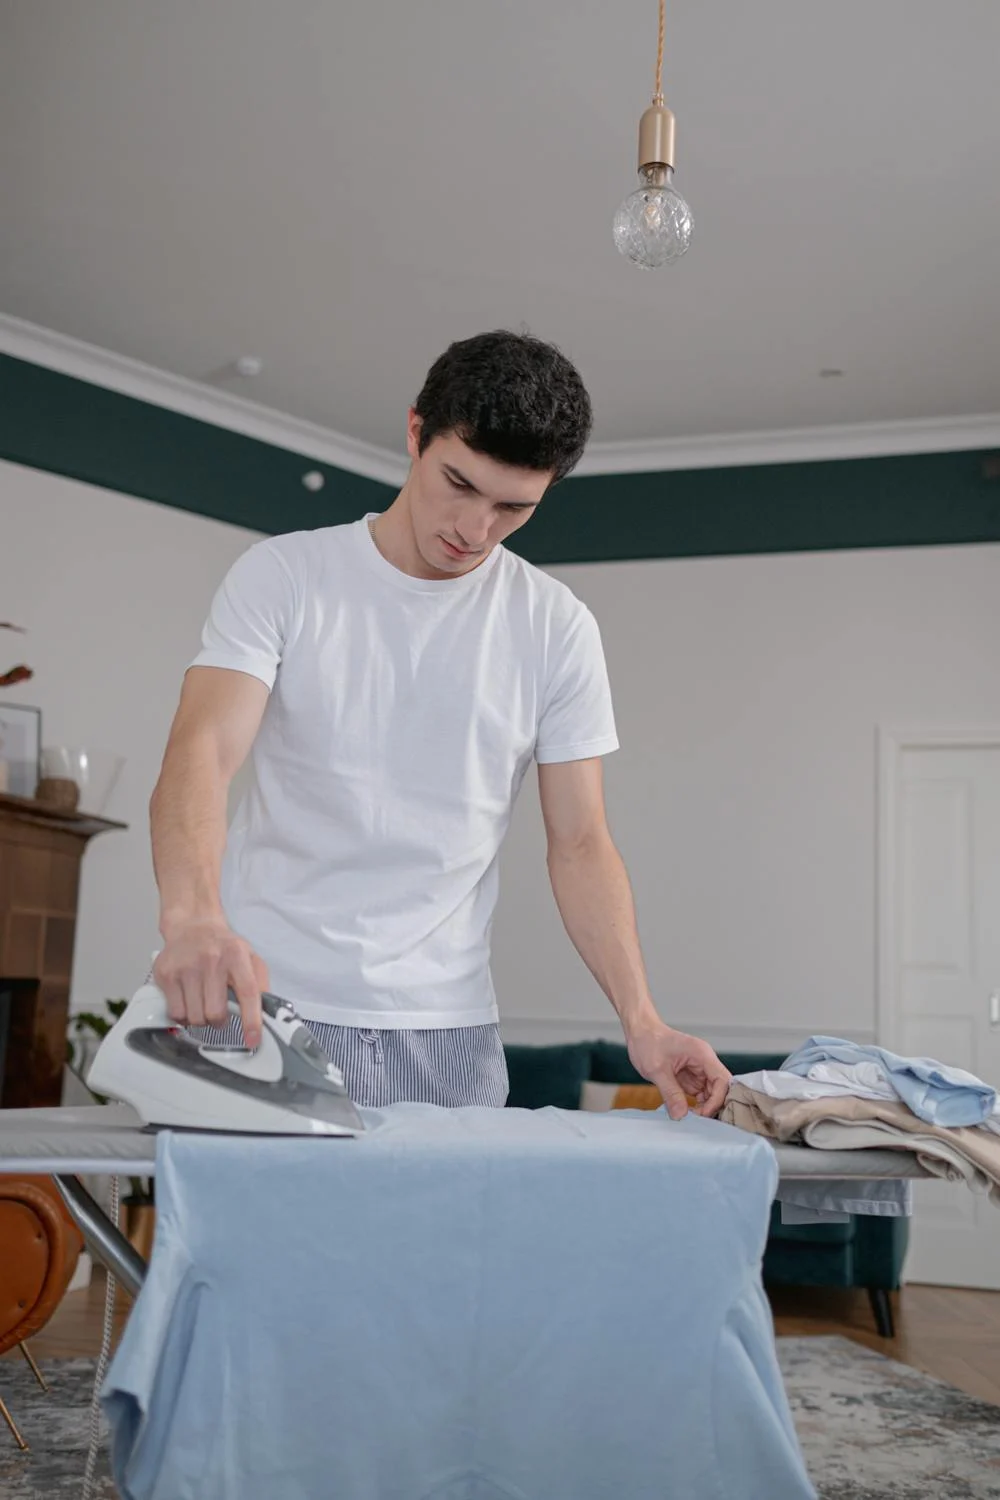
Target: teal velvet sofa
[867, 1252]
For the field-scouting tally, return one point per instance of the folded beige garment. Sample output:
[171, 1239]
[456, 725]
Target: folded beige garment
[945, 1158]
[847, 1123]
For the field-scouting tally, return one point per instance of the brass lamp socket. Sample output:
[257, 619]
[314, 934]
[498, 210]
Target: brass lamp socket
[656, 138]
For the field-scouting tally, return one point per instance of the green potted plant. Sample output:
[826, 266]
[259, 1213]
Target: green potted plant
[138, 1205]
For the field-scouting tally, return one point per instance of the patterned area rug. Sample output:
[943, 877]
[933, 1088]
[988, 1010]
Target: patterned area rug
[56, 1427]
[871, 1429]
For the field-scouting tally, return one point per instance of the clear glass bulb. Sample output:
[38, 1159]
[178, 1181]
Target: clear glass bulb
[653, 225]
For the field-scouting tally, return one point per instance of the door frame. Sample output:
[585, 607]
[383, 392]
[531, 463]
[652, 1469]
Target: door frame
[891, 744]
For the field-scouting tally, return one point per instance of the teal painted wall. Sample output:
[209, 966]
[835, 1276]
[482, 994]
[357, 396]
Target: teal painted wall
[56, 422]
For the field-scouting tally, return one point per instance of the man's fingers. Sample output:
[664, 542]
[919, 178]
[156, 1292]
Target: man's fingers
[260, 972]
[714, 1097]
[673, 1096]
[720, 1082]
[247, 991]
[194, 1002]
[174, 996]
[717, 1098]
[250, 1014]
[216, 998]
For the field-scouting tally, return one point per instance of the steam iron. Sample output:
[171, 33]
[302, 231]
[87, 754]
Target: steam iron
[286, 1086]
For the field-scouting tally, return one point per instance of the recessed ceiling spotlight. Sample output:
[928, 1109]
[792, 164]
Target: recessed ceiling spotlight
[829, 374]
[313, 480]
[249, 365]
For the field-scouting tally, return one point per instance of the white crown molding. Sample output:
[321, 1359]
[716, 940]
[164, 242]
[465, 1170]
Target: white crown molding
[794, 445]
[116, 372]
[56, 351]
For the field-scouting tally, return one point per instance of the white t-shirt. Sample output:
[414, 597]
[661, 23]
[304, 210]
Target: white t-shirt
[361, 863]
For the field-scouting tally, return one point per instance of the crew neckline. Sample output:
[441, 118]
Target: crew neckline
[398, 579]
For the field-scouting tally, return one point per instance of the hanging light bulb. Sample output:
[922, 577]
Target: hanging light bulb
[653, 225]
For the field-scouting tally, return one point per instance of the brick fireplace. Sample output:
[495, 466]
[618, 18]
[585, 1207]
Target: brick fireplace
[40, 855]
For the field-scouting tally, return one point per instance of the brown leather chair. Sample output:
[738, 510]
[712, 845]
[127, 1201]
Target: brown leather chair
[39, 1248]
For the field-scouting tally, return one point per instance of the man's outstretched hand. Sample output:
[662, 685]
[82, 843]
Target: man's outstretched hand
[682, 1067]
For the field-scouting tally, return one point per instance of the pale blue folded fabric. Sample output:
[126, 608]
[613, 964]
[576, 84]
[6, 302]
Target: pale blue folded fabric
[935, 1092]
[467, 1304]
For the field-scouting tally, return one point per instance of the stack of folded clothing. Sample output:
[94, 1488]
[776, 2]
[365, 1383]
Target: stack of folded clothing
[839, 1095]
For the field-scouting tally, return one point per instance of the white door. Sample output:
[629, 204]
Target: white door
[941, 973]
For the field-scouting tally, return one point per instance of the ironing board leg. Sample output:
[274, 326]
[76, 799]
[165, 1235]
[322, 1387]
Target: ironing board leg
[106, 1243]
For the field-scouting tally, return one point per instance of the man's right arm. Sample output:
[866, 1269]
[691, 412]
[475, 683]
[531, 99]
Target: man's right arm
[216, 722]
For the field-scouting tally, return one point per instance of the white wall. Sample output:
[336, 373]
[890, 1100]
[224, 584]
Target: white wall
[112, 591]
[748, 693]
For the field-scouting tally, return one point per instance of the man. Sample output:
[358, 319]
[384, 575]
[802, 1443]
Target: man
[391, 680]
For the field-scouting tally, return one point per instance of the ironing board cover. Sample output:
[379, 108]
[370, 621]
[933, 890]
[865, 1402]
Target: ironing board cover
[466, 1304]
[111, 1138]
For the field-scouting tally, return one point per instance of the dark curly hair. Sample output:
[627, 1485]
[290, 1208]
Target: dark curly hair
[510, 396]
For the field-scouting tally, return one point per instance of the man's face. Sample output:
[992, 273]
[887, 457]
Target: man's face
[463, 503]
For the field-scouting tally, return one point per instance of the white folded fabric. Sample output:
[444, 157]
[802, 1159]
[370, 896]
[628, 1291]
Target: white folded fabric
[780, 1085]
[833, 1080]
[856, 1076]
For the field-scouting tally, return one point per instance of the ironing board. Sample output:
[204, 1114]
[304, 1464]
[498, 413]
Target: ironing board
[98, 1140]
[106, 1140]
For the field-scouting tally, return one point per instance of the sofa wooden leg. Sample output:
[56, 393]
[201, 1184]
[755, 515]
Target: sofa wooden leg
[19, 1440]
[882, 1309]
[34, 1368]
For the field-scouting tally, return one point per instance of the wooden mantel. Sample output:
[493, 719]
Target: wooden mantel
[40, 854]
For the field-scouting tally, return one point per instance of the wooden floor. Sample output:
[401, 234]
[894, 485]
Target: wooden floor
[953, 1334]
[948, 1332]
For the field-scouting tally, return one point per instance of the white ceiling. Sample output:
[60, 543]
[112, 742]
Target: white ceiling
[343, 188]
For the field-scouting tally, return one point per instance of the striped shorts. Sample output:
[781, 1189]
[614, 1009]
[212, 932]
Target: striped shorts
[450, 1066]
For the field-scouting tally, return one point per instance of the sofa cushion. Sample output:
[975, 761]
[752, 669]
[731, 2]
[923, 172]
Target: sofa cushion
[789, 1264]
[552, 1075]
[600, 1097]
[610, 1063]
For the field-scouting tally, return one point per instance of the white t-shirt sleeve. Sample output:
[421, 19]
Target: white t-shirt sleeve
[577, 719]
[251, 615]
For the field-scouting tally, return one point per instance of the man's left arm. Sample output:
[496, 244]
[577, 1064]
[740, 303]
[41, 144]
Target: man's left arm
[592, 891]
